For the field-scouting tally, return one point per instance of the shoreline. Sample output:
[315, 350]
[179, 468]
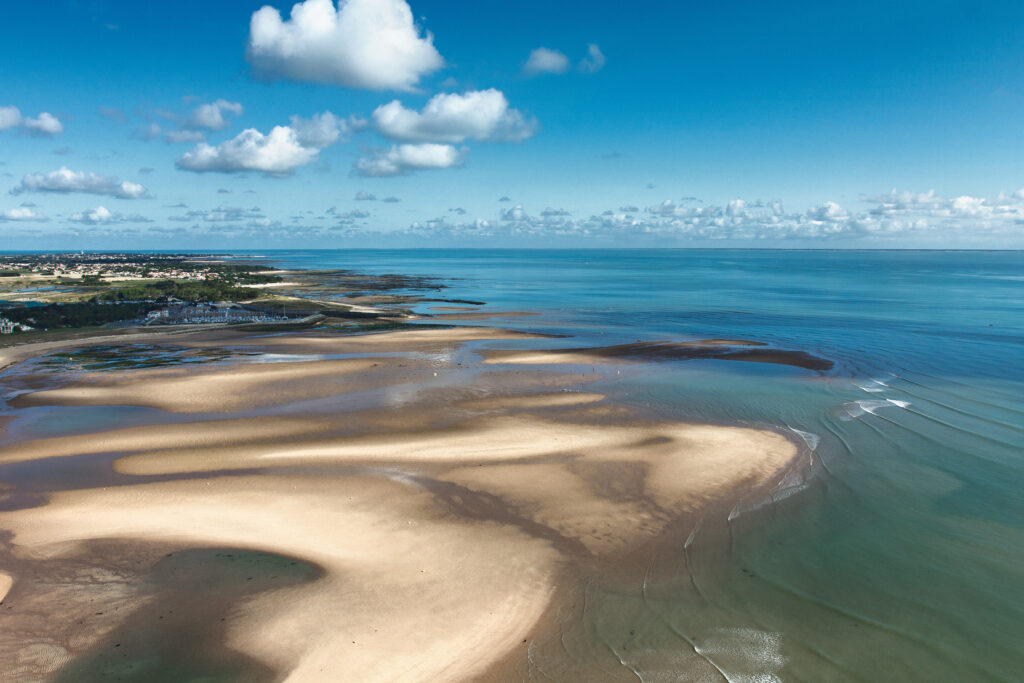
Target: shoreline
[483, 457]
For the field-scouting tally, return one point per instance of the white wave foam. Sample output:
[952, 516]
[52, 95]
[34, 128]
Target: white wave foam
[855, 409]
[874, 385]
[793, 481]
[809, 438]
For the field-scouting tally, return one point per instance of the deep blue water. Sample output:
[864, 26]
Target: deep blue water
[902, 558]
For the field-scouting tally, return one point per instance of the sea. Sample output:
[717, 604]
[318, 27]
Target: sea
[897, 554]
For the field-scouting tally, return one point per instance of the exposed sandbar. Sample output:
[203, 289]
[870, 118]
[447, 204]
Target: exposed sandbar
[446, 515]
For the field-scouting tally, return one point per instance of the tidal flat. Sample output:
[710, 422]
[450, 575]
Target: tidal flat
[315, 506]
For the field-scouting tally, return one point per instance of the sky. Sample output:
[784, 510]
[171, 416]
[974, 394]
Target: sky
[440, 123]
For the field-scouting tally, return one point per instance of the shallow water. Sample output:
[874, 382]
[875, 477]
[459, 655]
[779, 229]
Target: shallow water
[902, 557]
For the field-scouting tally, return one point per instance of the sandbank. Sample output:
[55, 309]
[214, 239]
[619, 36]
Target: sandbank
[448, 514]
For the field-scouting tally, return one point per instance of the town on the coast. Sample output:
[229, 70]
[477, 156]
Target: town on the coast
[45, 292]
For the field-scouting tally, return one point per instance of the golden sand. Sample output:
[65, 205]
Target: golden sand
[445, 519]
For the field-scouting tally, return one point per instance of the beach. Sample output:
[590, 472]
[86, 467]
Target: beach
[418, 508]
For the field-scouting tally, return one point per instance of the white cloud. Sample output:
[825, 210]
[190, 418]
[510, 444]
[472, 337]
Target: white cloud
[277, 153]
[20, 214]
[546, 61]
[10, 117]
[515, 213]
[896, 218]
[103, 216]
[362, 196]
[65, 181]
[45, 125]
[482, 115]
[211, 116]
[371, 44]
[594, 61]
[325, 129]
[402, 159]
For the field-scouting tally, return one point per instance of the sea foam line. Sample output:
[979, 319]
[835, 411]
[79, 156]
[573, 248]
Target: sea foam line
[855, 409]
[793, 481]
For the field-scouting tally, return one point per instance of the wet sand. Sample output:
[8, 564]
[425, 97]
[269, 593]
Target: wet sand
[445, 507]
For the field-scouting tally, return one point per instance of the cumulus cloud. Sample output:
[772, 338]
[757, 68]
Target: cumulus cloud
[371, 44]
[482, 115]
[10, 117]
[278, 153]
[403, 159]
[22, 213]
[1002, 212]
[629, 209]
[546, 61]
[362, 196]
[211, 116]
[46, 125]
[515, 213]
[894, 218]
[325, 129]
[391, 200]
[593, 62]
[65, 181]
[103, 216]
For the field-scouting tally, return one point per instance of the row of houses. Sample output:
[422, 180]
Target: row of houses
[191, 314]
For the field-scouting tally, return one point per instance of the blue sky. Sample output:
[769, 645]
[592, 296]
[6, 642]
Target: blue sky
[149, 125]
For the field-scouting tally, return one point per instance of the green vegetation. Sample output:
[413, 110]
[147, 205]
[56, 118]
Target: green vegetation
[56, 316]
[193, 291]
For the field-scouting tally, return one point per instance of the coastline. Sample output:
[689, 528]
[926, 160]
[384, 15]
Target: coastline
[484, 461]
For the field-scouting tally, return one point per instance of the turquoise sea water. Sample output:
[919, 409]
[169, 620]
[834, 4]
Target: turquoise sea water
[902, 557]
